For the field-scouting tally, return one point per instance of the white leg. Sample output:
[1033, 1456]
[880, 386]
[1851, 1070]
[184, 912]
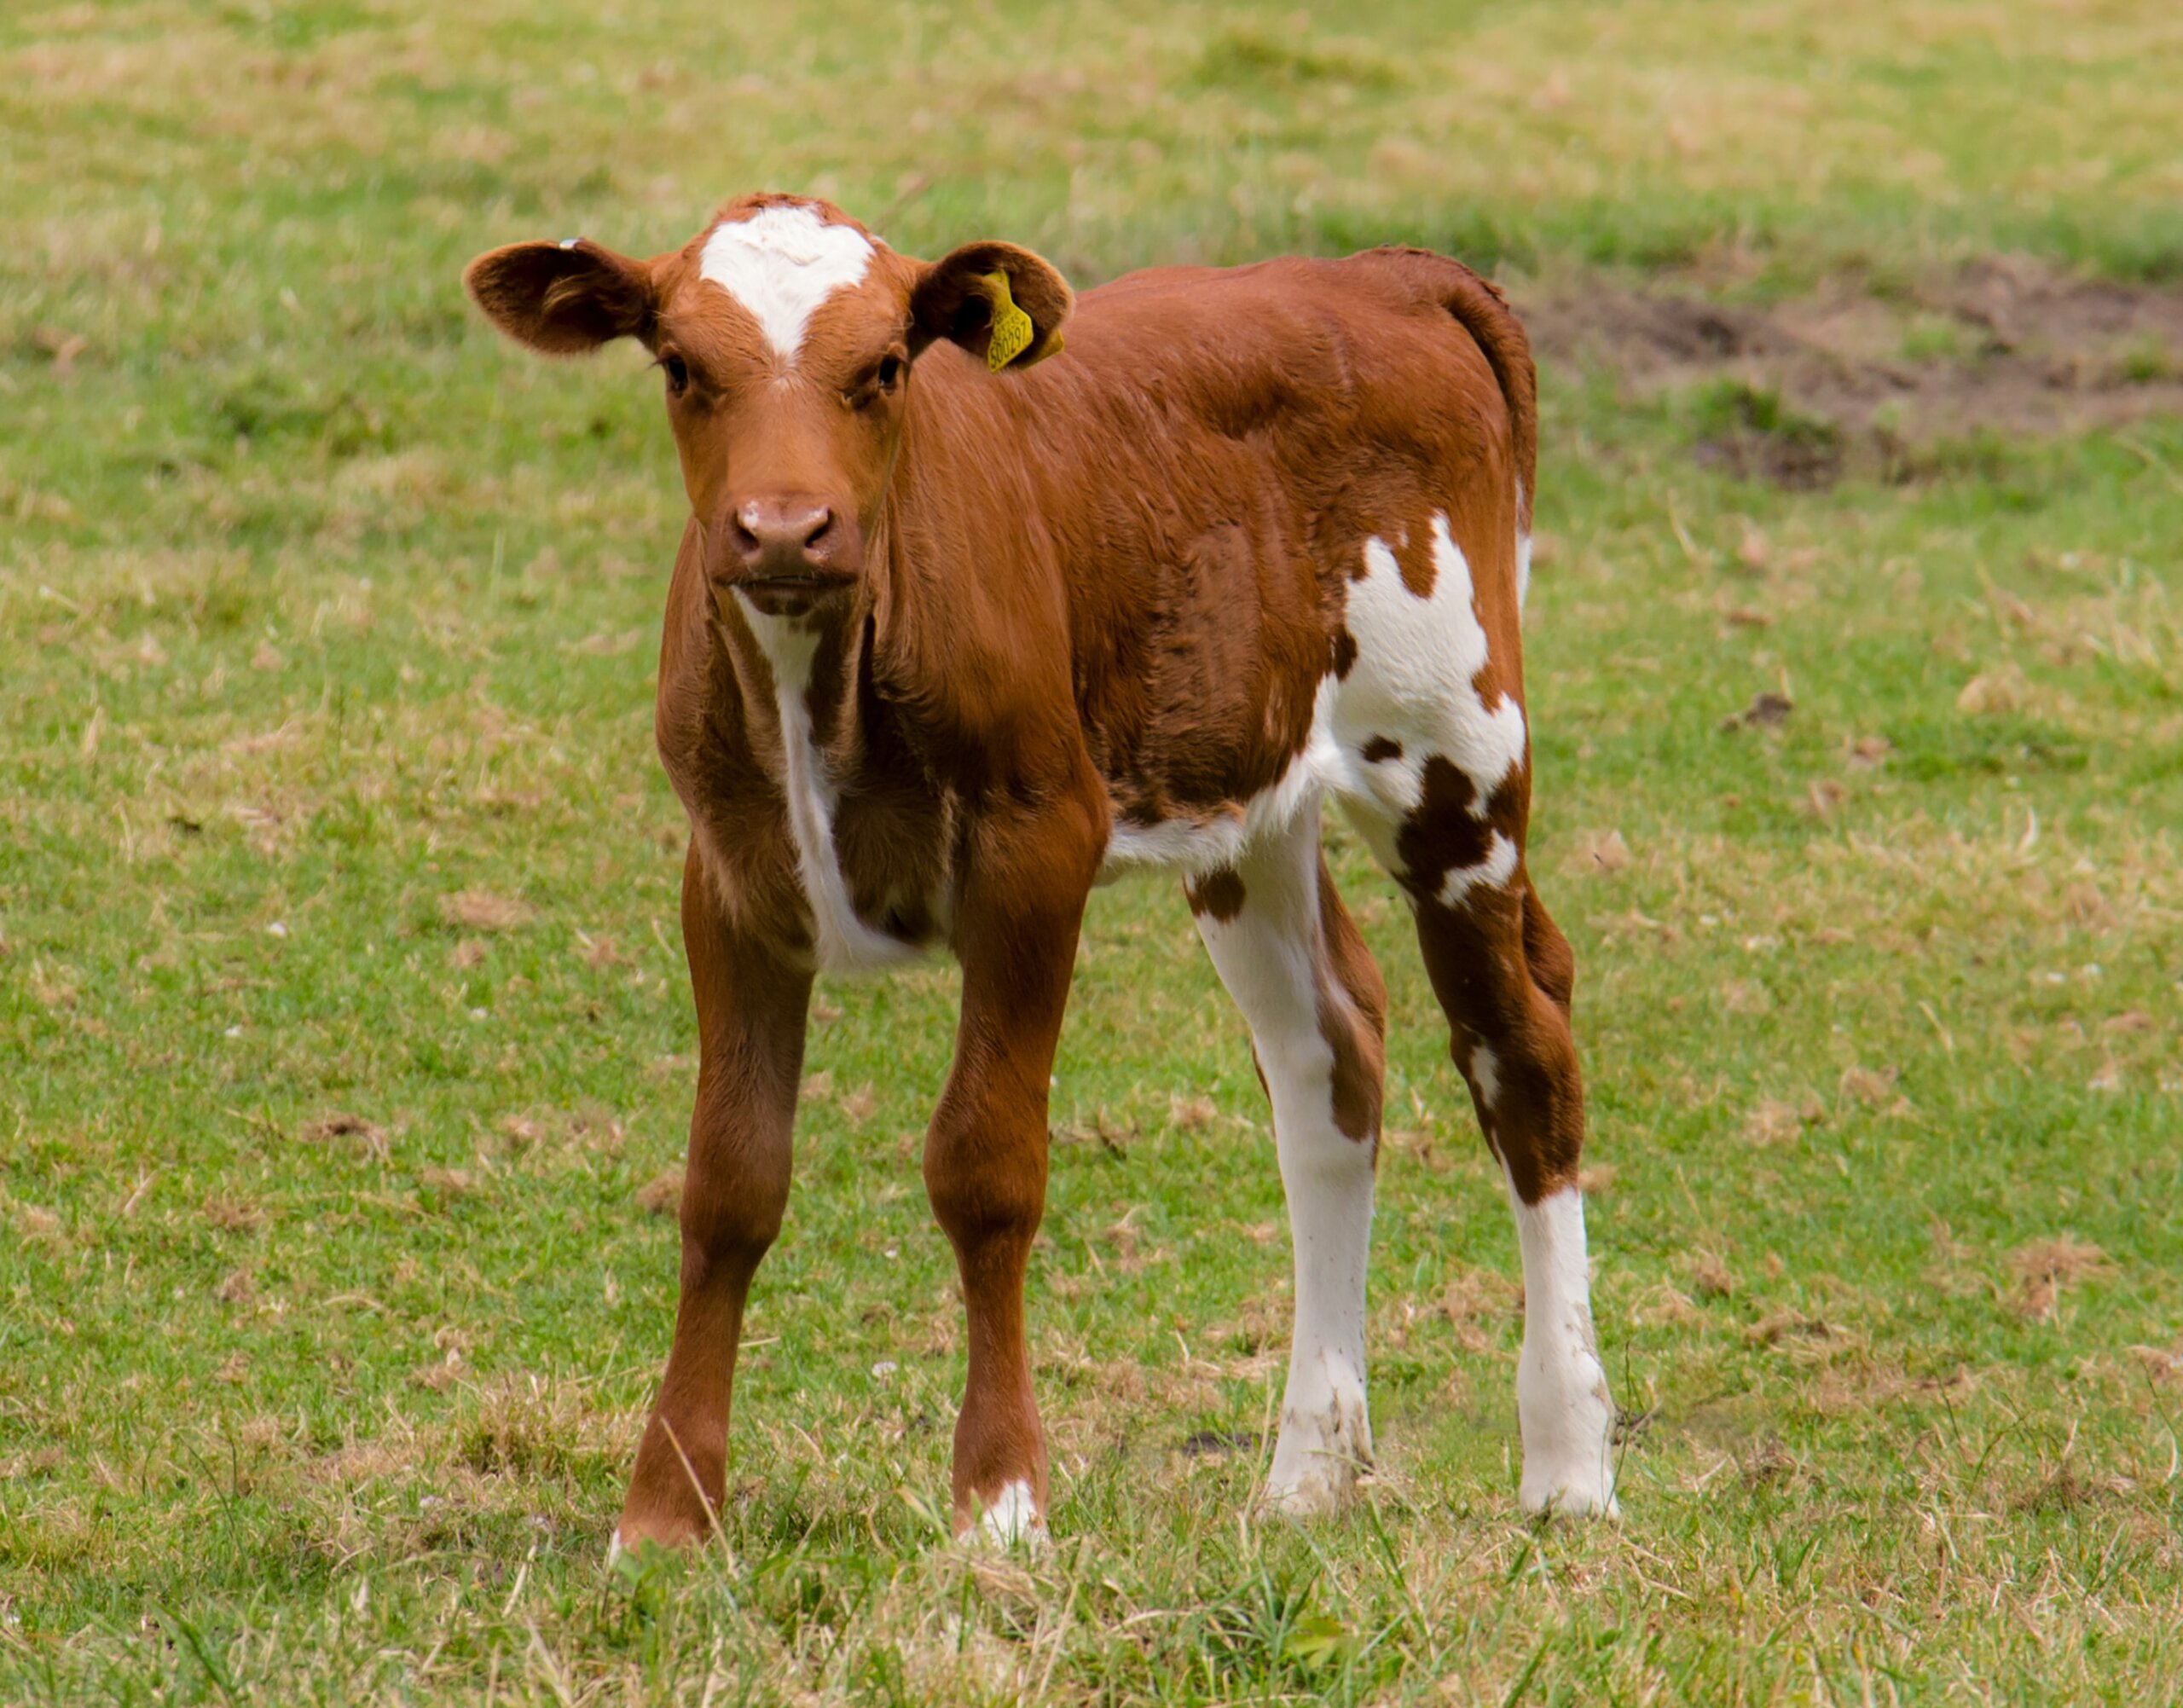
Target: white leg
[1561, 1392]
[1272, 954]
[1326, 1430]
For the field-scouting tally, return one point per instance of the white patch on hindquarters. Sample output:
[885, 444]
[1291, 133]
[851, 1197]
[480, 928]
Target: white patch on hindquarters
[1561, 1393]
[781, 264]
[1013, 1516]
[1413, 681]
[1272, 957]
[845, 942]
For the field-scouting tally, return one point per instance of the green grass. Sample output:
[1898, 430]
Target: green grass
[319, 609]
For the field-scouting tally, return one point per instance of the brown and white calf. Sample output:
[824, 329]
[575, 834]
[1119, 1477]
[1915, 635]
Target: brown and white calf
[956, 632]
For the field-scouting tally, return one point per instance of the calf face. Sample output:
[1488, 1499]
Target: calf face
[786, 335]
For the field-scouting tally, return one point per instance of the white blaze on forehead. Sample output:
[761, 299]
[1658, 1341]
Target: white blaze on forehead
[781, 264]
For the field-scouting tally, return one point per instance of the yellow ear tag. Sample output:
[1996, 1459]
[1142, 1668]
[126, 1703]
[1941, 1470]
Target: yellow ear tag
[1011, 327]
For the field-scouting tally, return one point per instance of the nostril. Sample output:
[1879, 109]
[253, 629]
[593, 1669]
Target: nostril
[743, 529]
[817, 522]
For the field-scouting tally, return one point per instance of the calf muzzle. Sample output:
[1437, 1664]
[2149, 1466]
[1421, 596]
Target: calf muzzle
[784, 553]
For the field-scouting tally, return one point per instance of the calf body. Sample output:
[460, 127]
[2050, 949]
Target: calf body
[945, 647]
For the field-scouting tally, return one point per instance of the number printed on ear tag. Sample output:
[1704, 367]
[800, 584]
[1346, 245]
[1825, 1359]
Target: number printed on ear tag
[1011, 327]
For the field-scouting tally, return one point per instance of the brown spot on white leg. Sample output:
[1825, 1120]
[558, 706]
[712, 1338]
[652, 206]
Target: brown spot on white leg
[1352, 1014]
[1509, 1038]
[1413, 554]
[1219, 893]
[1446, 837]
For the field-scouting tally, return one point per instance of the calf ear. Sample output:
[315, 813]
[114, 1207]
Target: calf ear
[980, 296]
[564, 298]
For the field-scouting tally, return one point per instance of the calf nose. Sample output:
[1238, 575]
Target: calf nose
[780, 536]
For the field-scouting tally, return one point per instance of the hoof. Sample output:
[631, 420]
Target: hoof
[673, 1532]
[1572, 1478]
[1568, 1427]
[1322, 1493]
[1319, 1458]
[1576, 1497]
[1013, 1518]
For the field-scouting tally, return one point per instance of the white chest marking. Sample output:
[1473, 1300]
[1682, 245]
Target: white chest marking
[781, 264]
[846, 943]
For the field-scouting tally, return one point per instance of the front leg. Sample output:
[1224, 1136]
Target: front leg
[751, 1007]
[985, 1159]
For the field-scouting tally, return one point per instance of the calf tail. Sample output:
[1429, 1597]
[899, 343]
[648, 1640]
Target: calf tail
[1483, 312]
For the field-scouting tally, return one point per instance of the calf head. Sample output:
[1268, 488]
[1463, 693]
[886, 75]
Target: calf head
[786, 334]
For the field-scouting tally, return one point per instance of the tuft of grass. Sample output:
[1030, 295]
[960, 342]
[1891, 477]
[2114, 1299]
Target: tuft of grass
[1266, 62]
[1750, 432]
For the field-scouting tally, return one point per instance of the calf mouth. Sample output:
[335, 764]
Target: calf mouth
[793, 593]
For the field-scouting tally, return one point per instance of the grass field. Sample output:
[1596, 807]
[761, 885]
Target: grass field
[344, 1049]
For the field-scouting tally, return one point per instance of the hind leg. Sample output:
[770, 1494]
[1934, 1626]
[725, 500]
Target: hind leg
[1431, 720]
[1504, 973]
[1295, 965]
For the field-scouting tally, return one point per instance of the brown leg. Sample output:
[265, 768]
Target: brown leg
[985, 1158]
[750, 1024]
[1503, 974]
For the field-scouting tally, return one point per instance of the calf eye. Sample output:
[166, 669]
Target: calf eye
[881, 380]
[677, 374]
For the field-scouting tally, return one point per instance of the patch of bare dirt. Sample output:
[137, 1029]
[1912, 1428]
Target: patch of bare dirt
[1806, 389]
